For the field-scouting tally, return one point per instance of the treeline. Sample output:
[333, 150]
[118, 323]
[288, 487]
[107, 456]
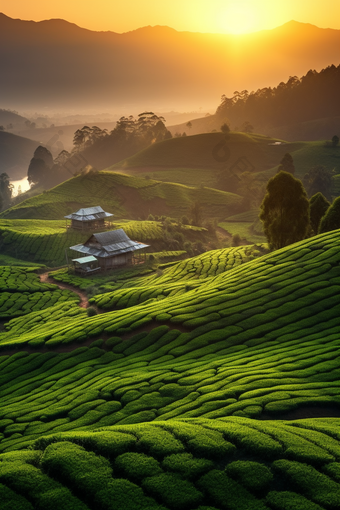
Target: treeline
[95, 149]
[314, 96]
[130, 135]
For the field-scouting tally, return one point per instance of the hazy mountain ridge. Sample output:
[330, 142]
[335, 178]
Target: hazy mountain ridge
[16, 153]
[150, 66]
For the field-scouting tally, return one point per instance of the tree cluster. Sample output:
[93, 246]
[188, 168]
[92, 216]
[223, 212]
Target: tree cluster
[299, 99]
[130, 135]
[287, 214]
[147, 129]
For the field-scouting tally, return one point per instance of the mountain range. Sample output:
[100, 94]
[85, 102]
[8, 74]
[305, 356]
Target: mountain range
[55, 63]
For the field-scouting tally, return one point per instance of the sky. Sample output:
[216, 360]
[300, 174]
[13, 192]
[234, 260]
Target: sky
[212, 16]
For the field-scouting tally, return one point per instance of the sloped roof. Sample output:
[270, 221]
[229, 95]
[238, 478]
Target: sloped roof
[112, 243]
[85, 260]
[89, 214]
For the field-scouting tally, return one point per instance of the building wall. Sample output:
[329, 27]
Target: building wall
[116, 261]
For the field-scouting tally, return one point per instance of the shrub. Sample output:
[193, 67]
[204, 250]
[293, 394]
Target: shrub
[91, 311]
[137, 466]
[177, 494]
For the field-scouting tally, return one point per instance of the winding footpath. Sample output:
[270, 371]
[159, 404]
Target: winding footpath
[84, 302]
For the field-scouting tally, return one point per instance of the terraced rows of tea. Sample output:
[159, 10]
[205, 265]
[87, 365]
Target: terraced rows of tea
[177, 279]
[45, 242]
[191, 384]
[231, 463]
[21, 292]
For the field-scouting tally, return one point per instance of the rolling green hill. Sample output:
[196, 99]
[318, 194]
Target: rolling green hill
[190, 160]
[218, 367]
[125, 196]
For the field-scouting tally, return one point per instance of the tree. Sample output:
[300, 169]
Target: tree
[287, 164]
[318, 206]
[42, 153]
[247, 127]
[331, 220]
[284, 211]
[225, 128]
[40, 165]
[319, 179]
[196, 213]
[37, 171]
[335, 140]
[6, 190]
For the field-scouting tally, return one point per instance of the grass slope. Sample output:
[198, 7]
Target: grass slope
[125, 196]
[212, 370]
[191, 159]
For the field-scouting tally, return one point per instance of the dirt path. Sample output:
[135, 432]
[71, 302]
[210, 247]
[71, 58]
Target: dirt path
[84, 302]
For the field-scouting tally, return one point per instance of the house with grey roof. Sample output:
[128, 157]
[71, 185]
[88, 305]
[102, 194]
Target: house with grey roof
[89, 218]
[112, 249]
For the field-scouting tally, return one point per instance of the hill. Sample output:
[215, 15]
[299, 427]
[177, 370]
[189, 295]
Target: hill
[173, 68]
[224, 391]
[8, 117]
[199, 158]
[125, 196]
[16, 154]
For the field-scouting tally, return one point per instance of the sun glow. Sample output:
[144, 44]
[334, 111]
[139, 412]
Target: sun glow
[239, 18]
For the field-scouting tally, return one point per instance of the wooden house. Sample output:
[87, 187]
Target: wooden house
[89, 218]
[112, 249]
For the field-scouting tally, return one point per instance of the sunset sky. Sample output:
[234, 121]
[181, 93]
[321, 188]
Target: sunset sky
[221, 16]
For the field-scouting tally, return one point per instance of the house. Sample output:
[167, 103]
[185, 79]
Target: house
[112, 249]
[89, 218]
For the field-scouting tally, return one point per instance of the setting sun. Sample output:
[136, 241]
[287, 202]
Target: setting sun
[238, 18]
[213, 16]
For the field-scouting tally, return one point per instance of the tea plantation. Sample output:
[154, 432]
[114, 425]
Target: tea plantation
[41, 242]
[124, 196]
[213, 384]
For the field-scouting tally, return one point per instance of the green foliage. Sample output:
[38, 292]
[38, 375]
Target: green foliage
[223, 489]
[85, 470]
[318, 207]
[253, 475]
[137, 466]
[331, 219]
[287, 164]
[177, 494]
[248, 338]
[91, 311]
[187, 465]
[285, 211]
[319, 180]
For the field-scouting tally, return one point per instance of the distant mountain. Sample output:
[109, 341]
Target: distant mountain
[9, 119]
[53, 63]
[15, 154]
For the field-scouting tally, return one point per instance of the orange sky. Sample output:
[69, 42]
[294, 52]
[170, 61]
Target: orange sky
[233, 16]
